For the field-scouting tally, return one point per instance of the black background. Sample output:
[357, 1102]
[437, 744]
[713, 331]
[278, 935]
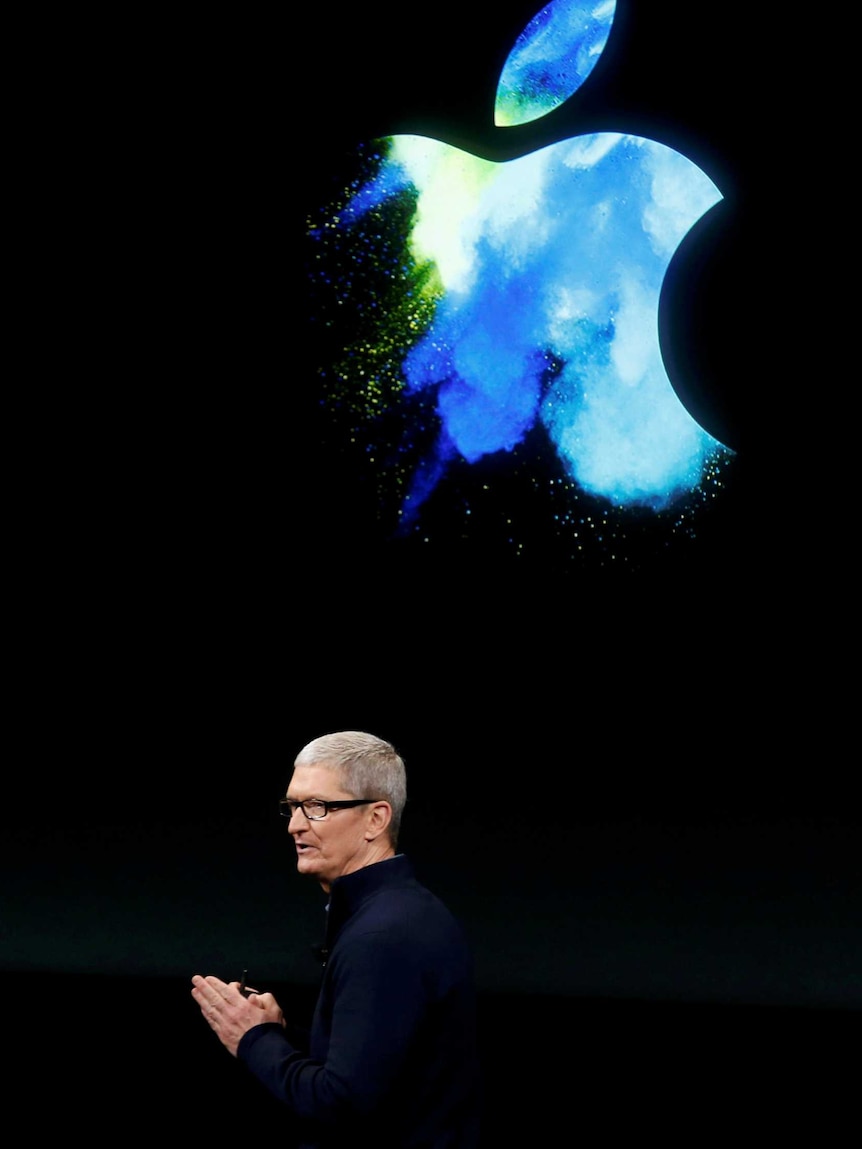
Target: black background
[635, 787]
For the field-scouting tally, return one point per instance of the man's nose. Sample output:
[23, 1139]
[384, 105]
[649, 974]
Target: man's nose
[297, 820]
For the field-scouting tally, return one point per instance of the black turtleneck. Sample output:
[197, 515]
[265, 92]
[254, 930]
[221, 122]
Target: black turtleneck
[393, 1048]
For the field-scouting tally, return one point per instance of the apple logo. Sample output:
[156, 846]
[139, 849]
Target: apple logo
[506, 310]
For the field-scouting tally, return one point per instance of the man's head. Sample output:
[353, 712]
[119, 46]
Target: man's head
[343, 767]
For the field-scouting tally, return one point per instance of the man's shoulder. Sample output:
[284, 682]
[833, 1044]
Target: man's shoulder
[388, 895]
[409, 909]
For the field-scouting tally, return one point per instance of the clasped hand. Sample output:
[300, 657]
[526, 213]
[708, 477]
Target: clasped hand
[228, 1013]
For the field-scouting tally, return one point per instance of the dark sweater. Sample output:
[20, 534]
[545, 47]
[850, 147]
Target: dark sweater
[393, 1048]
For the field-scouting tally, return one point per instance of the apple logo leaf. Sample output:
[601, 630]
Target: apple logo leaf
[551, 59]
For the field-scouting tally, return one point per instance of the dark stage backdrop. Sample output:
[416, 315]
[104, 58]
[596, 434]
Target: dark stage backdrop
[625, 730]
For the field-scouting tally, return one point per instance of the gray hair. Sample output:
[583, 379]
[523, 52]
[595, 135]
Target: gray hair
[367, 767]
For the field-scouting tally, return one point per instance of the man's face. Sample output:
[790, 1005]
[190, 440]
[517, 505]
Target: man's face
[334, 845]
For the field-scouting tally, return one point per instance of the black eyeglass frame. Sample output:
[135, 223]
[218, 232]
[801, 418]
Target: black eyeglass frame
[287, 807]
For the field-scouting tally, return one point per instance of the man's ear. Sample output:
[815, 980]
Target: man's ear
[378, 819]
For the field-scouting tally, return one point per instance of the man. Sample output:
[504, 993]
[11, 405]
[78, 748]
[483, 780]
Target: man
[392, 1055]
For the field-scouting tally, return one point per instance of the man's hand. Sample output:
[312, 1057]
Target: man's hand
[229, 1014]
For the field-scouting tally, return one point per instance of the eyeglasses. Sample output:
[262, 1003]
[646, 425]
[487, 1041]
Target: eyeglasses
[315, 808]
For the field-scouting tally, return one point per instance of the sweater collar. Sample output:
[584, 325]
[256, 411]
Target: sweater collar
[351, 890]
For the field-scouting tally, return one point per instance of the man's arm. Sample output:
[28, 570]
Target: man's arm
[374, 1000]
